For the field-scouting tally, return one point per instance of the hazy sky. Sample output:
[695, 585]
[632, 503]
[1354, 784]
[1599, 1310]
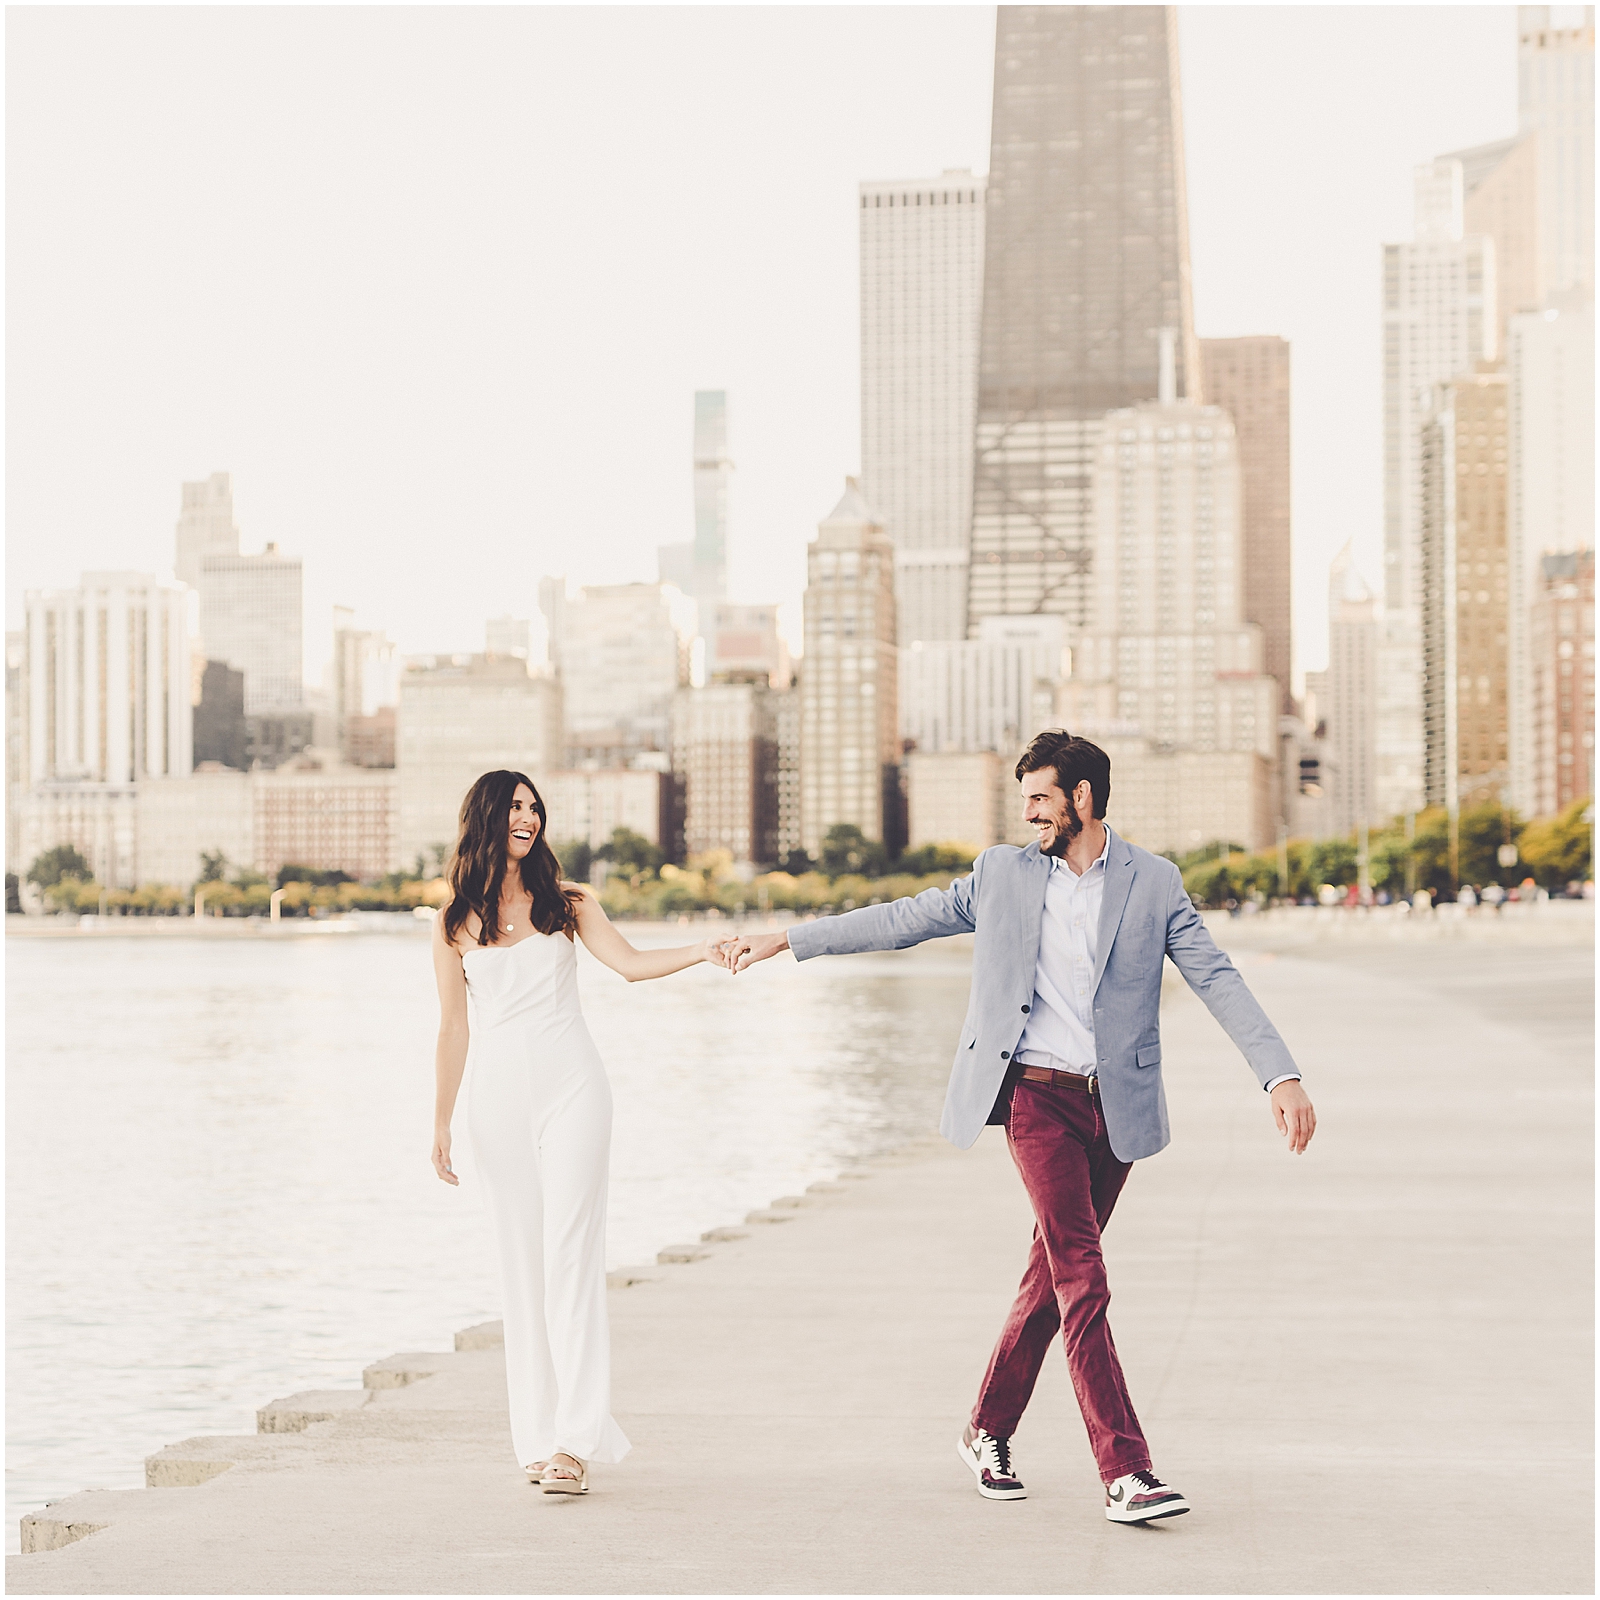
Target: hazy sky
[437, 285]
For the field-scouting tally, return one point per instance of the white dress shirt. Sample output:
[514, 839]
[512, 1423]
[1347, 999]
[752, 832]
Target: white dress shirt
[1060, 1030]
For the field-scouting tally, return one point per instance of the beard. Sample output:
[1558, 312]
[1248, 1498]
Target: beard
[1067, 829]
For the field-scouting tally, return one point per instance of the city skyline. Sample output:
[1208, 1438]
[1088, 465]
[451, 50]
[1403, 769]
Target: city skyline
[778, 492]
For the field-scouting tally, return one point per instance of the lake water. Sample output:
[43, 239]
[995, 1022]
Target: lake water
[218, 1153]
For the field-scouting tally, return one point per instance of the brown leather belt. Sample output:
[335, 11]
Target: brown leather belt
[1061, 1080]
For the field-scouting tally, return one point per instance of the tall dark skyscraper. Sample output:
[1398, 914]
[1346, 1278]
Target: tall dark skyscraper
[1086, 260]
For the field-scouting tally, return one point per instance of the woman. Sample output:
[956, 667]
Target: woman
[539, 1112]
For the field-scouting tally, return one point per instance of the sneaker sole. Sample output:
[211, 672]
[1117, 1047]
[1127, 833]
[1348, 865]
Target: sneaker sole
[1153, 1516]
[977, 1472]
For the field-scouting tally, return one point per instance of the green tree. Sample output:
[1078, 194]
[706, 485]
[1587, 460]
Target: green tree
[213, 866]
[1332, 861]
[1430, 852]
[1210, 882]
[846, 850]
[930, 858]
[1483, 830]
[1560, 850]
[1214, 851]
[630, 853]
[797, 864]
[56, 864]
[316, 876]
[1387, 855]
[576, 858]
[62, 862]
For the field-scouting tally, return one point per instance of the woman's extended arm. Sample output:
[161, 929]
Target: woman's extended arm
[450, 1055]
[600, 934]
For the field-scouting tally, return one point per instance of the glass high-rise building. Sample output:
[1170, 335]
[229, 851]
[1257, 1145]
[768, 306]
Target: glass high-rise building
[921, 295]
[712, 469]
[699, 566]
[1086, 259]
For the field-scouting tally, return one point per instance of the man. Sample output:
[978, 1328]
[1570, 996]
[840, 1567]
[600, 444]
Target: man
[1062, 1046]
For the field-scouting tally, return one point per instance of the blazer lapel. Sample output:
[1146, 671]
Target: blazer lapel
[1035, 875]
[1113, 901]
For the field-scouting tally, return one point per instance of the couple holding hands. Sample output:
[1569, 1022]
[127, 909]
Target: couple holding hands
[1061, 1047]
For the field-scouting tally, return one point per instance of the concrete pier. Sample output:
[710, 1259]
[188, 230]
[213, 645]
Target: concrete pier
[1369, 1369]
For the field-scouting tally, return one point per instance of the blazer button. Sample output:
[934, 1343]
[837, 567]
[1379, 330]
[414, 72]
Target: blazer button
[1024, 1008]
[1005, 1055]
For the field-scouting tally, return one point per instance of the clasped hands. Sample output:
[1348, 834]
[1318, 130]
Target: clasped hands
[741, 950]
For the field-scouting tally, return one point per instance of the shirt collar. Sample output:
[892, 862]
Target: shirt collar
[1099, 860]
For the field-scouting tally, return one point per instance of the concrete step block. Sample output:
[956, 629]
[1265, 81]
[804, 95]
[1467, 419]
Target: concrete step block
[191, 1462]
[770, 1216]
[789, 1202]
[681, 1254]
[723, 1235]
[44, 1530]
[297, 1412]
[825, 1188]
[396, 1372]
[481, 1336]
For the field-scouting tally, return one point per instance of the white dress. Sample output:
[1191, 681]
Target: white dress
[539, 1111]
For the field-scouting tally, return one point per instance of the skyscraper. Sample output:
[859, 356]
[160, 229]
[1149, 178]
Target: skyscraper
[1561, 744]
[1555, 102]
[1550, 450]
[921, 295]
[725, 753]
[1249, 379]
[1465, 593]
[1170, 679]
[205, 526]
[1500, 186]
[1439, 320]
[624, 654]
[712, 470]
[366, 682]
[251, 618]
[1348, 698]
[1086, 256]
[699, 567]
[850, 746]
[108, 681]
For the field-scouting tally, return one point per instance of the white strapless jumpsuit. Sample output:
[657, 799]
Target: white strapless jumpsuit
[539, 1112]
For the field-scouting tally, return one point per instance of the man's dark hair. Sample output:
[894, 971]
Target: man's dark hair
[1074, 761]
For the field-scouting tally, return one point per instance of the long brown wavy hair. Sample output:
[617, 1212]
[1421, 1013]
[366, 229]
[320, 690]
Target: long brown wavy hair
[477, 870]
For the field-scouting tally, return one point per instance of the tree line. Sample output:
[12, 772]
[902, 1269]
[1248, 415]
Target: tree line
[851, 870]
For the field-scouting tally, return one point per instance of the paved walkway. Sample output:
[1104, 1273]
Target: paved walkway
[1368, 1369]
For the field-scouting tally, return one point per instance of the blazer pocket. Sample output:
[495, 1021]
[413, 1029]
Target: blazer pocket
[1150, 1056]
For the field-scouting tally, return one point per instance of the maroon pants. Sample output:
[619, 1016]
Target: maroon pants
[1058, 1141]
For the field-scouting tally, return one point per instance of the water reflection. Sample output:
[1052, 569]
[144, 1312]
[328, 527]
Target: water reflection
[218, 1153]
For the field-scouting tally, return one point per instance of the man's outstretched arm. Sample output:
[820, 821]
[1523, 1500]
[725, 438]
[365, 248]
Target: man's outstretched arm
[1213, 977]
[933, 914]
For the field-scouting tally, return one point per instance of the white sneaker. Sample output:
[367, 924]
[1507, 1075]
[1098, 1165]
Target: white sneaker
[1142, 1497]
[990, 1461]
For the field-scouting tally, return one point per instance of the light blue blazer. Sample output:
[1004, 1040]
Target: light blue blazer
[1144, 915]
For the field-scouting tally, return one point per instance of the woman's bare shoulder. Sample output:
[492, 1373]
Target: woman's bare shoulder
[463, 939]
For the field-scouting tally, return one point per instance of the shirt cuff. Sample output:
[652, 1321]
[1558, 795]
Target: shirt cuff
[1283, 1077]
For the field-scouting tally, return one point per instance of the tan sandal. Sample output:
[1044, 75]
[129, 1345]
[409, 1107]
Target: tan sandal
[536, 1470]
[562, 1480]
